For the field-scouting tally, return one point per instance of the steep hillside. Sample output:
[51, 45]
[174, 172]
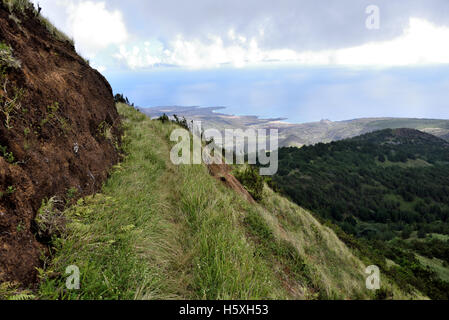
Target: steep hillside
[386, 187]
[176, 232]
[58, 132]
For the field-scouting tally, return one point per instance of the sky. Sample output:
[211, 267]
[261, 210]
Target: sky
[302, 60]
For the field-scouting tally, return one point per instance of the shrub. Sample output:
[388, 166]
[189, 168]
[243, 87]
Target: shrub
[164, 118]
[119, 98]
[251, 181]
[181, 122]
[384, 294]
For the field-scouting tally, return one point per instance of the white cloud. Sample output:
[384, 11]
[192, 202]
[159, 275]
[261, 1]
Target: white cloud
[138, 56]
[100, 68]
[421, 43]
[91, 24]
[94, 27]
[197, 54]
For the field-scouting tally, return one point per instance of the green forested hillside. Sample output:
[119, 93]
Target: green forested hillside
[390, 187]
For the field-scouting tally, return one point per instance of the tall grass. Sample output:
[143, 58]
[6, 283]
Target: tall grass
[55, 32]
[159, 231]
[225, 264]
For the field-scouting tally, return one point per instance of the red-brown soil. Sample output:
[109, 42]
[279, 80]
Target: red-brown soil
[223, 173]
[44, 142]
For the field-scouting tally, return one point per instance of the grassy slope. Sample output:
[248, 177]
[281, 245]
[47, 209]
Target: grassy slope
[436, 265]
[159, 231]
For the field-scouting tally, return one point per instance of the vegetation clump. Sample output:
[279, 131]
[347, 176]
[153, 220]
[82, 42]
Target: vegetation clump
[25, 7]
[10, 102]
[8, 156]
[164, 118]
[119, 98]
[7, 59]
[50, 221]
[181, 122]
[12, 291]
[251, 181]
[18, 5]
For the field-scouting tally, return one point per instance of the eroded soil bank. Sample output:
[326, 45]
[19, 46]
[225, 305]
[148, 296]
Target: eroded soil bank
[59, 136]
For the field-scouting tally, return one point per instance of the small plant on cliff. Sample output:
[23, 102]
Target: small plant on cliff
[71, 195]
[8, 156]
[105, 130]
[10, 190]
[54, 119]
[51, 113]
[6, 57]
[50, 220]
[9, 105]
[18, 5]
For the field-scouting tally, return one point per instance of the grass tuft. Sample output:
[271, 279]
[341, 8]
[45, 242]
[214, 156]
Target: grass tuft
[7, 59]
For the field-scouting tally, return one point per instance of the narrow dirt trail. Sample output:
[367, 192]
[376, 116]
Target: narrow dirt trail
[173, 253]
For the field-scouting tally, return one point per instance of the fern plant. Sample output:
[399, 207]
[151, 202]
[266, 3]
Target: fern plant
[22, 297]
[11, 291]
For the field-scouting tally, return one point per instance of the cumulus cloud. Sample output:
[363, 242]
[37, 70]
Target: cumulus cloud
[206, 33]
[278, 24]
[93, 26]
[421, 43]
[138, 56]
